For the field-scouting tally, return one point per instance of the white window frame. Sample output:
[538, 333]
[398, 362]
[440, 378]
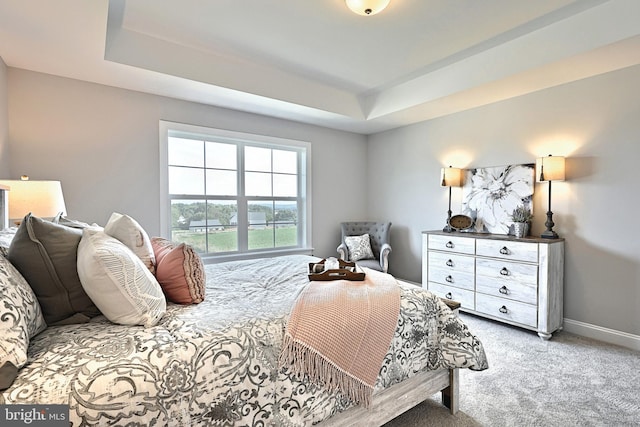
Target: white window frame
[174, 129]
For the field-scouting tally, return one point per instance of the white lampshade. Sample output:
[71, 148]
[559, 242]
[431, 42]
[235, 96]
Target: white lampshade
[451, 177]
[550, 168]
[367, 7]
[42, 198]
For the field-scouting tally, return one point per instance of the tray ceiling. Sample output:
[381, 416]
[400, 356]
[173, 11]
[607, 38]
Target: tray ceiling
[316, 61]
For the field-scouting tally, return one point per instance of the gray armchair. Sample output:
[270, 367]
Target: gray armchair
[379, 237]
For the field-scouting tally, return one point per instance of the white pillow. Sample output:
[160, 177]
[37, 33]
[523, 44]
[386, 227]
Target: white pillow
[129, 232]
[117, 281]
[359, 247]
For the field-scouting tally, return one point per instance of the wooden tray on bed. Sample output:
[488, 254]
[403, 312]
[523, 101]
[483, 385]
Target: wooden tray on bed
[347, 271]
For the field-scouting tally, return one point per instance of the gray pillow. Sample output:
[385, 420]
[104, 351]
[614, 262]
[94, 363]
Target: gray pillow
[46, 255]
[73, 223]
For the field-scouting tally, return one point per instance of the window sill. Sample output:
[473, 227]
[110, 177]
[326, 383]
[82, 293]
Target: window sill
[215, 259]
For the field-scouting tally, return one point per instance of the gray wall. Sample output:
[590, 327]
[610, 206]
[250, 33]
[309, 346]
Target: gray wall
[594, 122]
[4, 120]
[102, 144]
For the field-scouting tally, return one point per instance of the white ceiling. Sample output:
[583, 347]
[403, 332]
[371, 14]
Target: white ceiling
[317, 62]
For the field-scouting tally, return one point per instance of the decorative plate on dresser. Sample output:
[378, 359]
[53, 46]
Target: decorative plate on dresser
[461, 222]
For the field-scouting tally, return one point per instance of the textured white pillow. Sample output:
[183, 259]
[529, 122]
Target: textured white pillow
[129, 232]
[117, 281]
[359, 247]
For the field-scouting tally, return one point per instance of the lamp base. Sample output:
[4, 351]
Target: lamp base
[448, 228]
[549, 233]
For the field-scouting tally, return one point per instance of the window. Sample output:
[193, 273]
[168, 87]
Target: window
[233, 194]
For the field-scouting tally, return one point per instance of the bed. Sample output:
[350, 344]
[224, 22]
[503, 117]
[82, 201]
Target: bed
[216, 362]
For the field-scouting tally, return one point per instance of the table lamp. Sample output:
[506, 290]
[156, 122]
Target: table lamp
[450, 177]
[43, 199]
[550, 168]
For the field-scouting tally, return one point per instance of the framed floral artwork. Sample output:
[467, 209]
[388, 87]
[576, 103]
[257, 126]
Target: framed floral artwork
[489, 195]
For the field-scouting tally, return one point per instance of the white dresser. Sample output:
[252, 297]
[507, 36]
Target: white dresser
[516, 281]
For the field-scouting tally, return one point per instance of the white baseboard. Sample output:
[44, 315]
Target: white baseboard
[408, 282]
[599, 333]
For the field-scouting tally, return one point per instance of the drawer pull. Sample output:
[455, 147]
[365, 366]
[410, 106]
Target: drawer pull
[504, 290]
[504, 250]
[449, 279]
[449, 263]
[503, 310]
[504, 271]
[448, 295]
[449, 244]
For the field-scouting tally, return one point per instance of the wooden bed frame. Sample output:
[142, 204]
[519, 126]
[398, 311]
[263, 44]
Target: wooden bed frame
[399, 398]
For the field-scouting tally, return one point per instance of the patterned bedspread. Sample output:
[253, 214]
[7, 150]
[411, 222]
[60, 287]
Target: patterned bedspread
[216, 363]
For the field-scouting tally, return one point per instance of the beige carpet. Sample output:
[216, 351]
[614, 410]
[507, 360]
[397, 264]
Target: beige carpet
[567, 381]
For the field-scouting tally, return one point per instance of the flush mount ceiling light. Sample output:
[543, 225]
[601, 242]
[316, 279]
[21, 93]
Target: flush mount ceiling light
[367, 7]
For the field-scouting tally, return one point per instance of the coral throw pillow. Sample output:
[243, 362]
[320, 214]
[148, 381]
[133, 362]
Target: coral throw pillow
[179, 270]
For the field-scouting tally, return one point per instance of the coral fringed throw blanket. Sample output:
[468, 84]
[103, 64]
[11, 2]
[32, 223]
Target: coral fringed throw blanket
[340, 331]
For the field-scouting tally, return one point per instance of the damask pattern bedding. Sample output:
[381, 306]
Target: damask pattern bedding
[216, 363]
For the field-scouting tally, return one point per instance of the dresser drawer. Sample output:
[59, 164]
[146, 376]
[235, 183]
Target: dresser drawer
[509, 310]
[453, 262]
[459, 279]
[507, 272]
[523, 292]
[464, 297]
[463, 245]
[508, 249]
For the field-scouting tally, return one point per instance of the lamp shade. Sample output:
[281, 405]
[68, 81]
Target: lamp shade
[451, 177]
[550, 168]
[367, 7]
[42, 198]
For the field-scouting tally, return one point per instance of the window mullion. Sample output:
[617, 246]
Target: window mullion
[243, 216]
[300, 195]
[205, 198]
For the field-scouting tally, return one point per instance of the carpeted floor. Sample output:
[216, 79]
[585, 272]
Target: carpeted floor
[567, 381]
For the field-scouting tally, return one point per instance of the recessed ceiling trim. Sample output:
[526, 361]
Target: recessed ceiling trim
[139, 50]
[589, 64]
[554, 42]
[545, 46]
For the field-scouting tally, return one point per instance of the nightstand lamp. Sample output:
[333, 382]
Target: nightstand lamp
[549, 169]
[42, 198]
[450, 177]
